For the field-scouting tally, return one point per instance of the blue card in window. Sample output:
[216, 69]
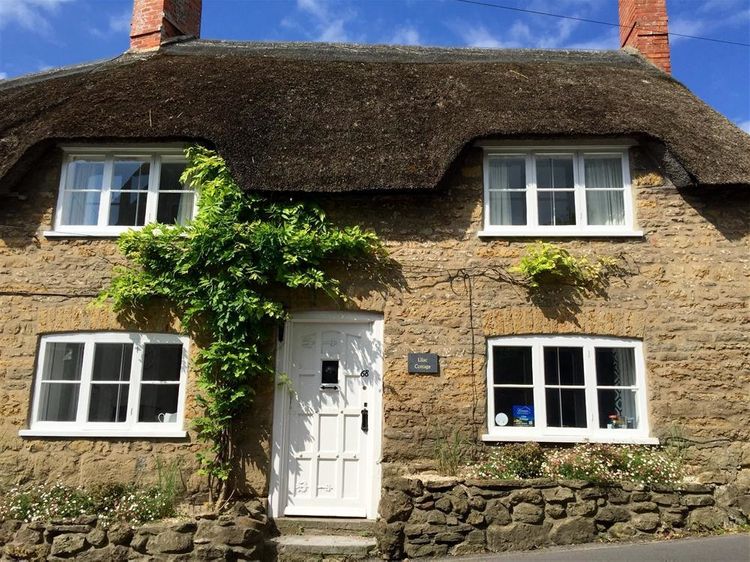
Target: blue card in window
[523, 415]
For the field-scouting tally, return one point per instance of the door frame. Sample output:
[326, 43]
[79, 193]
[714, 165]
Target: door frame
[280, 431]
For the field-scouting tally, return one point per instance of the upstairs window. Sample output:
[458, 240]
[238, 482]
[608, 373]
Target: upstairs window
[110, 385]
[557, 193]
[566, 388]
[105, 192]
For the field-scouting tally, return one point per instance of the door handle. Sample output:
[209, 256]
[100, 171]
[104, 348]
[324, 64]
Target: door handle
[365, 421]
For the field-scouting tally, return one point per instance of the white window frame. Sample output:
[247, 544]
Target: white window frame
[532, 228]
[108, 154]
[131, 427]
[540, 432]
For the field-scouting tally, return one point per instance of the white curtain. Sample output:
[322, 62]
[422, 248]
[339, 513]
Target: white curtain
[86, 175]
[506, 206]
[605, 202]
[185, 210]
[624, 375]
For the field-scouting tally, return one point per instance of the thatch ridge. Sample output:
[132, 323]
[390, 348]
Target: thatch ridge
[317, 117]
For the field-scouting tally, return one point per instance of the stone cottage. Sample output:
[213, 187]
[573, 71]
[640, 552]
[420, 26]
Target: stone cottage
[457, 159]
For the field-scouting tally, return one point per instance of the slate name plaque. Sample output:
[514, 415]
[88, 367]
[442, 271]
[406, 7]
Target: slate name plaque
[425, 363]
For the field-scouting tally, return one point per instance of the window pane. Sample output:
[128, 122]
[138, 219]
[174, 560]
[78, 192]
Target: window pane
[170, 175]
[512, 365]
[566, 408]
[130, 175]
[563, 366]
[158, 399]
[127, 208]
[507, 207]
[605, 207]
[112, 361]
[603, 172]
[517, 404]
[80, 208]
[617, 409]
[84, 174]
[557, 207]
[62, 362]
[615, 366]
[162, 362]
[175, 208]
[507, 173]
[58, 401]
[554, 173]
[109, 402]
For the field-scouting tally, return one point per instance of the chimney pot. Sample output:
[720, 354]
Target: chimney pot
[156, 21]
[643, 26]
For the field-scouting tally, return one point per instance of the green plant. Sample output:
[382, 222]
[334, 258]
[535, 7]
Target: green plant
[110, 503]
[512, 461]
[43, 503]
[451, 452]
[222, 274]
[650, 466]
[169, 480]
[600, 463]
[549, 264]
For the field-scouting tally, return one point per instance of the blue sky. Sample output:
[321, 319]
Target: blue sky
[40, 34]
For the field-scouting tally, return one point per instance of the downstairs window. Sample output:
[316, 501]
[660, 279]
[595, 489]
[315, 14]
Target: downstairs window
[566, 389]
[110, 385]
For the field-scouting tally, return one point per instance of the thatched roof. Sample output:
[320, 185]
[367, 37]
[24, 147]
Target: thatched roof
[315, 117]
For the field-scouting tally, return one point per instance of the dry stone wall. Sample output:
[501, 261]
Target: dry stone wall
[432, 516]
[238, 535]
[687, 298]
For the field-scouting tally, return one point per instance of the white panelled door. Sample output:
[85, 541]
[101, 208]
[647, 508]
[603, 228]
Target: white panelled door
[331, 419]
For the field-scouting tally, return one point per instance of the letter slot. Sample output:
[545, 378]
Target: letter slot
[365, 421]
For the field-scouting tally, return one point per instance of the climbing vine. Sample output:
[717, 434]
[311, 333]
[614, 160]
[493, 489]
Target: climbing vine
[221, 274]
[549, 264]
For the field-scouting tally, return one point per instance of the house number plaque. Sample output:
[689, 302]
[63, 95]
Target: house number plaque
[425, 363]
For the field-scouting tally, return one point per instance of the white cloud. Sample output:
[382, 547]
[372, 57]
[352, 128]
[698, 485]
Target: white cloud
[559, 35]
[480, 36]
[744, 125]
[686, 27]
[405, 35]
[29, 14]
[714, 16]
[608, 41]
[719, 5]
[3, 75]
[117, 25]
[329, 24]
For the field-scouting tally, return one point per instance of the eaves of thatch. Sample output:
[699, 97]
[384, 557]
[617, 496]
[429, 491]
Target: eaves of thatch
[317, 117]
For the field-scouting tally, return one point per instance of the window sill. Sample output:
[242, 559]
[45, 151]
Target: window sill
[103, 434]
[603, 437]
[543, 233]
[80, 234]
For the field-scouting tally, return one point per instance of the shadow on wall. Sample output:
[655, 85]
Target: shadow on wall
[727, 208]
[252, 457]
[434, 215]
[29, 206]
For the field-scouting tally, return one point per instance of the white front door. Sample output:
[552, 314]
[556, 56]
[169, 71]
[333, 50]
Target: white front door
[331, 417]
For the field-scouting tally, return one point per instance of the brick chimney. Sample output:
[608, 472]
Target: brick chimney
[643, 26]
[155, 21]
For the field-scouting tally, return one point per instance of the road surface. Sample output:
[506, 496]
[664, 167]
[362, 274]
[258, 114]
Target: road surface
[725, 548]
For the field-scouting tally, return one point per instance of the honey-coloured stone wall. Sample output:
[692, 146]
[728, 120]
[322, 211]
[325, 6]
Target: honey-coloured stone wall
[686, 297]
[429, 515]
